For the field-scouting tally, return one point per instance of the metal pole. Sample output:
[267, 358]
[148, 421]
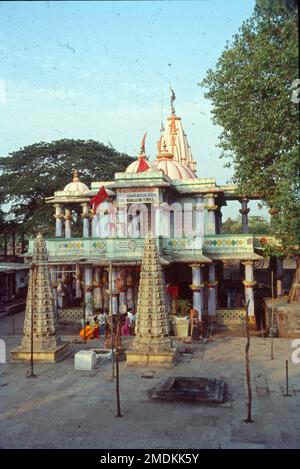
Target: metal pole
[31, 374]
[84, 305]
[117, 370]
[111, 319]
[248, 375]
[84, 318]
[287, 378]
[272, 317]
[261, 327]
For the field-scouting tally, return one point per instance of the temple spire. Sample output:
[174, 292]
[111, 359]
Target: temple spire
[152, 344]
[41, 320]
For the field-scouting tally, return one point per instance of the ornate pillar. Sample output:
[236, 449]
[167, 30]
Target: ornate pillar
[95, 225]
[158, 216]
[105, 289]
[218, 221]
[114, 292]
[279, 276]
[85, 220]
[53, 272]
[166, 222]
[103, 230]
[196, 287]
[122, 222]
[211, 209]
[78, 293]
[58, 220]
[68, 218]
[244, 211]
[199, 222]
[158, 220]
[97, 293]
[212, 287]
[88, 290]
[123, 292]
[129, 280]
[249, 284]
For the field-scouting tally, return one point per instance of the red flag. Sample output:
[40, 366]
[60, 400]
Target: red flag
[173, 291]
[143, 143]
[99, 198]
[143, 165]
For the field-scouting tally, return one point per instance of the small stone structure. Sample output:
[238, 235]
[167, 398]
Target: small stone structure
[191, 389]
[40, 303]
[152, 344]
[85, 360]
[286, 318]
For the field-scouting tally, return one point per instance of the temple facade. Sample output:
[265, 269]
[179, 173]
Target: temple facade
[184, 214]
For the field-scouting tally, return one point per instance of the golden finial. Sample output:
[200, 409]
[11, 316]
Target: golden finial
[164, 153]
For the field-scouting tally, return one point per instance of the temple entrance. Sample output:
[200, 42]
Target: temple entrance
[180, 275]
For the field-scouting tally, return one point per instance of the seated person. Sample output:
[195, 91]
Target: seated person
[87, 332]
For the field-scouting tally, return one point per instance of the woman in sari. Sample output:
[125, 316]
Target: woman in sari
[87, 332]
[125, 328]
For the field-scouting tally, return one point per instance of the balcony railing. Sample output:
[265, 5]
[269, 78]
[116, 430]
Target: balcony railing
[232, 245]
[216, 247]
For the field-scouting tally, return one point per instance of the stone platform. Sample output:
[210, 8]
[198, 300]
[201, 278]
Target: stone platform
[161, 359]
[51, 356]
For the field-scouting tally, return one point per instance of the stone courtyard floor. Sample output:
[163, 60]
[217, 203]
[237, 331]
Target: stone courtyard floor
[64, 408]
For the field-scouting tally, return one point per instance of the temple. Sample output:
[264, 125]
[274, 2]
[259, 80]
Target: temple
[215, 272]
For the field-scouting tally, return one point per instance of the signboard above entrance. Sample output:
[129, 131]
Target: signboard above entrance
[138, 195]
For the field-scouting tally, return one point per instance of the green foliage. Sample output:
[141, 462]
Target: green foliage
[256, 225]
[183, 307]
[31, 174]
[251, 91]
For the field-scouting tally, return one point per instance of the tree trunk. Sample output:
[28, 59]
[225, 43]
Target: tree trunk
[294, 295]
[5, 245]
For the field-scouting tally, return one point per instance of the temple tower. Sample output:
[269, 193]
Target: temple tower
[40, 303]
[152, 344]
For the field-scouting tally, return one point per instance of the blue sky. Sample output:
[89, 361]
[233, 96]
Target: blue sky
[101, 70]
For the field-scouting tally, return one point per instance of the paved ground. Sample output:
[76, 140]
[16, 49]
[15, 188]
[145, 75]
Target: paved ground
[64, 408]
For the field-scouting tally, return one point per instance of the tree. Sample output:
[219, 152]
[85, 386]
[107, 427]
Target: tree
[31, 174]
[251, 90]
[256, 224]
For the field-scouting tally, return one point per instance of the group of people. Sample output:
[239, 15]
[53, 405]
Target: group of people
[102, 325]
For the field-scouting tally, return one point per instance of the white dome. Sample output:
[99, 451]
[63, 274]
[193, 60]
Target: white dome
[76, 186]
[133, 167]
[165, 162]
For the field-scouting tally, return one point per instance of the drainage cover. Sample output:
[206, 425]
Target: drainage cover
[185, 389]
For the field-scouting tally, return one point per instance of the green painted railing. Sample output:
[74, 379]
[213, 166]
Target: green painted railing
[132, 248]
[230, 245]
